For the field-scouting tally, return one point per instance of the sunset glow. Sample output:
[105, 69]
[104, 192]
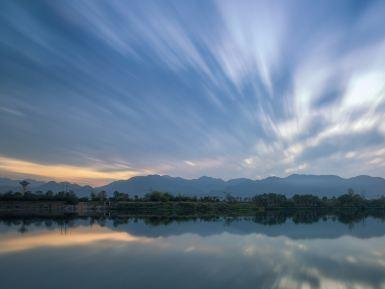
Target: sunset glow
[61, 172]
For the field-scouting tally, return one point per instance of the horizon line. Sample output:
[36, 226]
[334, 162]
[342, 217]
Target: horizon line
[184, 178]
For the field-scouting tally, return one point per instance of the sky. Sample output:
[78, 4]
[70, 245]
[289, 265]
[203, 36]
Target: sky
[94, 91]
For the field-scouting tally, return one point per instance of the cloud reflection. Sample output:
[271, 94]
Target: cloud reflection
[10, 243]
[222, 260]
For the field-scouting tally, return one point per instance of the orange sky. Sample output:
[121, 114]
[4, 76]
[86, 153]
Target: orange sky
[77, 174]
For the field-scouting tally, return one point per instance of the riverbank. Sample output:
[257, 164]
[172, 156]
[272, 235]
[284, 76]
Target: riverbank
[181, 208]
[141, 208]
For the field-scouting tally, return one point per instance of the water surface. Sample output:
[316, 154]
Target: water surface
[221, 253]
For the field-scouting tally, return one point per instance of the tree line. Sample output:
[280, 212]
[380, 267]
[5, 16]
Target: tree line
[49, 196]
[266, 200]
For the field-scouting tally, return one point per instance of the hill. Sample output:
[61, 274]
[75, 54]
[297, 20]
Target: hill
[321, 185]
[13, 185]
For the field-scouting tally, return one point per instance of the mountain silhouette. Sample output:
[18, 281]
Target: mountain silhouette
[7, 185]
[320, 185]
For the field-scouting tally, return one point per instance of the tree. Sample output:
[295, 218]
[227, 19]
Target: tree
[159, 197]
[102, 195]
[49, 195]
[24, 185]
[229, 198]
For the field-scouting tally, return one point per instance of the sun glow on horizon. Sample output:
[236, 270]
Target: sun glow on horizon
[60, 172]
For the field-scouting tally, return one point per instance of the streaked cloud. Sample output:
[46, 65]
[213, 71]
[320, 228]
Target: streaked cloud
[219, 88]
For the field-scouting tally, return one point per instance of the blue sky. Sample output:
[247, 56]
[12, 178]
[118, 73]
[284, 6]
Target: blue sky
[92, 91]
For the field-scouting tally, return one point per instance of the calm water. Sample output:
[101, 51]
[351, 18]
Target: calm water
[81, 254]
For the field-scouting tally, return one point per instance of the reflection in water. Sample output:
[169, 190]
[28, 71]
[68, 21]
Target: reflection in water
[11, 242]
[190, 254]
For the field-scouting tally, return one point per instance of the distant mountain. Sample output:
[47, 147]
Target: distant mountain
[82, 191]
[13, 185]
[141, 185]
[321, 185]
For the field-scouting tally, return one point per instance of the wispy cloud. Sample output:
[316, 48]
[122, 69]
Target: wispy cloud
[216, 87]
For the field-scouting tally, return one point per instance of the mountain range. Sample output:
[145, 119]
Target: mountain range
[7, 185]
[321, 185]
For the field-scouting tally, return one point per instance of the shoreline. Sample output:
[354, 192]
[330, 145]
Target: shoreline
[173, 208]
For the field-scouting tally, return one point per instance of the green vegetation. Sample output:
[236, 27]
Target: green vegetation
[67, 197]
[165, 203]
[266, 201]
